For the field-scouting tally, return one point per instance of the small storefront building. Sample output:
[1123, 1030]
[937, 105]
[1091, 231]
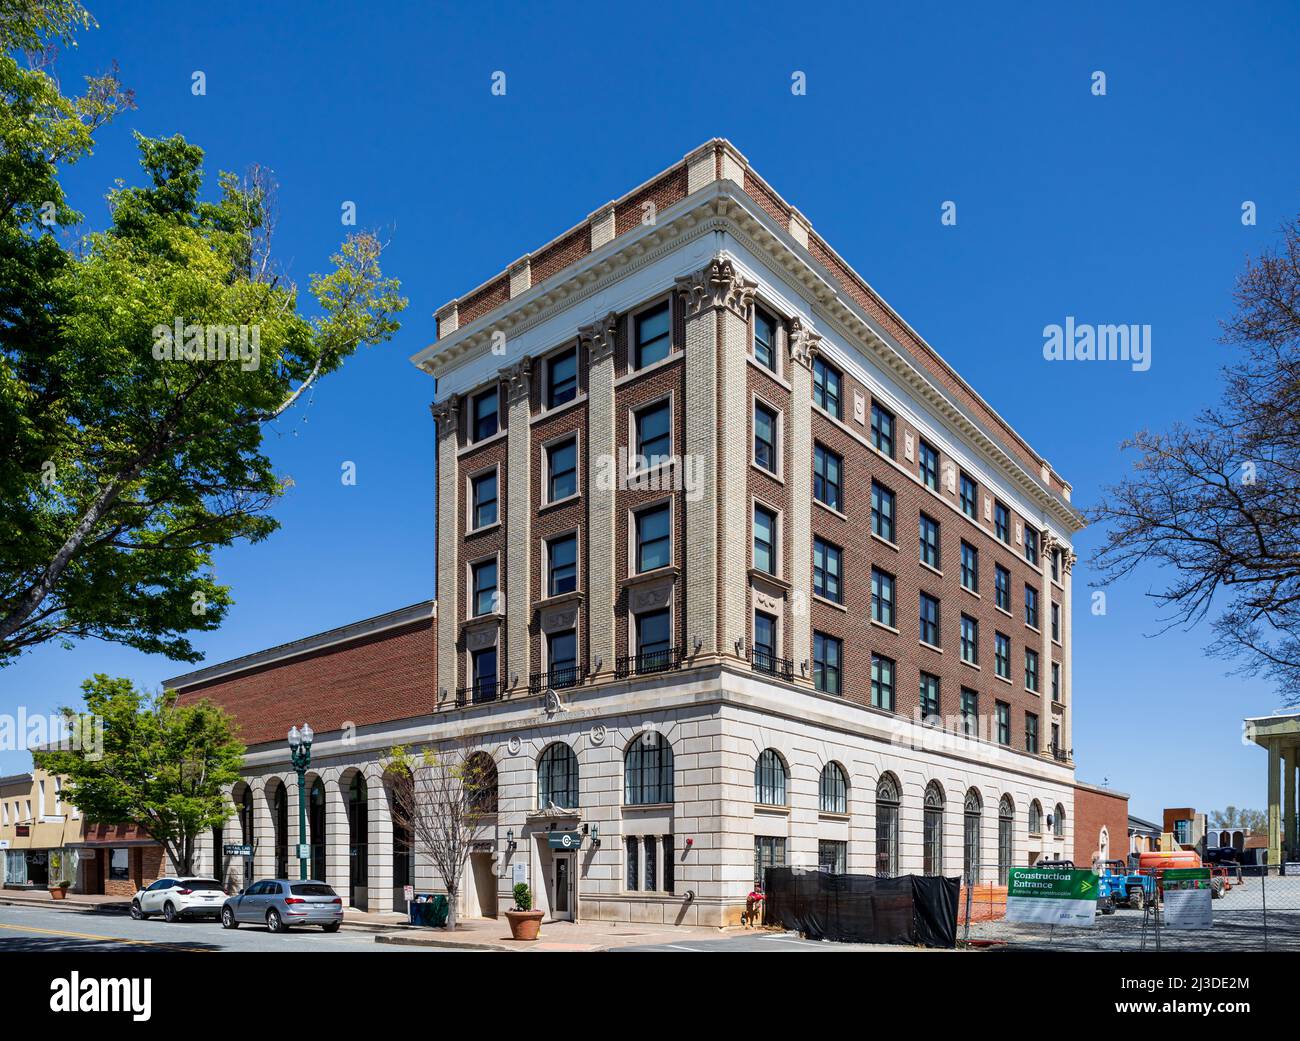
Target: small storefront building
[38, 832]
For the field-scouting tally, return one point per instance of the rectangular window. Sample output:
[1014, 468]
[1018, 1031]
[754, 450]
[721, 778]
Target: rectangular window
[1031, 606]
[970, 712]
[485, 414]
[562, 657]
[633, 846]
[1056, 740]
[828, 653]
[929, 696]
[654, 434]
[930, 554]
[970, 640]
[1002, 655]
[562, 470]
[562, 378]
[832, 856]
[970, 567]
[764, 338]
[1002, 587]
[1056, 681]
[1056, 565]
[1031, 669]
[826, 388]
[930, 620]
[653, 636]
[765, 422]
[653, 339]
[485, 586]
[485, 674]
[764, 639]
[882, 511]
[485, 499]
[882, 682]
[651, 863]
[1031, 733]
[654, 538]
[968, 497]
[827, 467]
[562, 565]
[826, 570]
[882, 597]
[882, 429]
[764, 540]
[1002, 522]
[1031, 545]
[928, 465]
[119, 864]
[1056, 621]
[769, 851]
[668, 864]
[1004, 722]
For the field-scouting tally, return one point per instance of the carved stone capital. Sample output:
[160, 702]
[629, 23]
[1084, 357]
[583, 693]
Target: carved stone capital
[803, 343]
[517, 379]
[718, 285]
[447, 415]
[598, 338]
[1067, 561]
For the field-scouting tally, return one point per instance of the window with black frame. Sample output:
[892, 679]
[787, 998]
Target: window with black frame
[826, 388]
[562, 378]
[827, 470]
[654, 434]
[888, 795]
[486, 417]
[770, 779]
[557, 777]
[562, 470]
[828, 654]
[654, 538]
[484, 489]
[764, 339]
[562, 658]
[562, 565]
[765, 438]
[653, 336]
[648, 770]
[932, 831]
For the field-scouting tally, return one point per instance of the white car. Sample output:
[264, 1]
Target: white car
[176, 898]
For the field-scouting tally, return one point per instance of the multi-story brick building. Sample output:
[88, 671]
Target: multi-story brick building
[733, 570]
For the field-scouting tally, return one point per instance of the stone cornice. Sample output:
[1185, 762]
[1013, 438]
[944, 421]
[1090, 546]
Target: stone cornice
[718, 285]
[598, 338]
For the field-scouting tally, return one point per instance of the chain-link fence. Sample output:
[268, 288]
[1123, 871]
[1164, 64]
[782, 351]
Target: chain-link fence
[1252, 910]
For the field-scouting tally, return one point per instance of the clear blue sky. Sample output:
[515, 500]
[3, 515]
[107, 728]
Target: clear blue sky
[1123, 208]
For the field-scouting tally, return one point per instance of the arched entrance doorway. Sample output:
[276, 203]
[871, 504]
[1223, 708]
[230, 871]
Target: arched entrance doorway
[399, 788]
[358, 837]
[279, 799]
[316, 828]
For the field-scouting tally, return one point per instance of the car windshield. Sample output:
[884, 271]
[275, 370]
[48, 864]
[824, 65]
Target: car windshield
[201, 883]
[311, 889]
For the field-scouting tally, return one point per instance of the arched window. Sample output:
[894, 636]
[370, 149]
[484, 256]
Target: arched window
[648, 770]
[316, 824]
[769, 779]
[972, 826]
[1006, 838]
[479, 776]
[834, 789]
[557, 777]
[887, 798]
[359, 842]
[1058, 822]
[246, 816]
[280, 819]
[1035, 818]
[932, 835]
[1103, 844]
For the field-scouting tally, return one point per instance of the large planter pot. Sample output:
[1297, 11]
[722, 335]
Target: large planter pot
[524, 925]
[58, 894]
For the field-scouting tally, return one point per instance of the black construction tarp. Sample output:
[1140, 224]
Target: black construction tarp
[911, 909]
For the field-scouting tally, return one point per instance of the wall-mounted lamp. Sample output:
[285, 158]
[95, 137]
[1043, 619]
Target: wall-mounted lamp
[442, 694]
[598, 664]
[740, 645]
[514, 679]
[510, 840]
[803, 666]
[690, 895]
[698, 644]
[595, 836]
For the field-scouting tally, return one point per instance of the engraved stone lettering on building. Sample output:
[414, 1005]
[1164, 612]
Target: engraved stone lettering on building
[860, 408]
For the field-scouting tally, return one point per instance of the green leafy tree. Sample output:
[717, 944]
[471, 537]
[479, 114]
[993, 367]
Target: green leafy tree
[1230, 817]
[139, 365]
[164, 767]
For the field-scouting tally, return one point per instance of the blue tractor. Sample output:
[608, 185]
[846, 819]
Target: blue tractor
[1120, 886]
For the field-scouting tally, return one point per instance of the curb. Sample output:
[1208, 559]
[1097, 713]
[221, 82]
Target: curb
[398, 940]
[68, 905]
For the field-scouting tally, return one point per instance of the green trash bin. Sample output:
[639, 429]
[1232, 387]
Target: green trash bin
[436, 911]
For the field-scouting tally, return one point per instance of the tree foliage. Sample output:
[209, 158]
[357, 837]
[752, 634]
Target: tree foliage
[163, 767]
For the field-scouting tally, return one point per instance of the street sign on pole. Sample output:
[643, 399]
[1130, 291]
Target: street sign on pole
[1187, 898]
[1052, 896]
[233, 850]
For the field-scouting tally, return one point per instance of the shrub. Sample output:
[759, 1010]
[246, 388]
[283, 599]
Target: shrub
[523, 897]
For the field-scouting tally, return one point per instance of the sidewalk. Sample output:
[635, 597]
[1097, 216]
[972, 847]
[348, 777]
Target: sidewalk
[493, 934]
[72, 902]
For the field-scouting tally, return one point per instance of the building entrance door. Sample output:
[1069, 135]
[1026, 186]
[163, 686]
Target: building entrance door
[562, 885]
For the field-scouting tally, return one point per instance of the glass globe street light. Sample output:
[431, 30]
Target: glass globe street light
[300, 757]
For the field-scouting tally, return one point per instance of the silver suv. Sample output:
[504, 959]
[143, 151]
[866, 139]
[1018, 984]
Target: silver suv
[279, 903]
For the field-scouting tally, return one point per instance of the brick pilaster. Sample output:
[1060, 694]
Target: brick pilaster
[516, 382]
[802, 343]
[598, 339]
[447, 416]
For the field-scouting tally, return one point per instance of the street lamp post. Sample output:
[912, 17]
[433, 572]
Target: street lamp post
[300, 756]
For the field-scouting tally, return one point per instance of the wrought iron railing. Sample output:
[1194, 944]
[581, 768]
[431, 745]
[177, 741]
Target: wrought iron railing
[1062, 755]
[482, 690]
[665, 660]
[556, 679]
[763, 661]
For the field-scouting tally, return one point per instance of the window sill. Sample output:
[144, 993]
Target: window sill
[555, 503]
[1035, 693]
[829, 603]
[769, 372]
[971, 665]
[759, 575]
[971, 592]
[474, 446]
[1004, 611]
[931, 568]
[931, 646]
[885, 542]
[826, 815]
[667, 571]
[769, 474]
[474, 532]
[1034, 629]
[885, 626]
[646, 807]
[776, 811]
[633, 374]
[831, 509]
[1004, 679]
[551, 413]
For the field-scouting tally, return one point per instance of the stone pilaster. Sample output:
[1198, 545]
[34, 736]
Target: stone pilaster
[716, 302]
[338, 864]
[516, 382]
[263, 833]
[379, 843]
[1068, 558]
[1046, 597]
[447, 417]
[601, 582]
[803, 344]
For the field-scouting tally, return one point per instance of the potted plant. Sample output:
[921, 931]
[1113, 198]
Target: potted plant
[59, 890]
[525, 923]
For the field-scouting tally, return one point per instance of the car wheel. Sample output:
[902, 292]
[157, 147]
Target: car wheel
[1106, 905]
[169, 912]
[1216, 888]
[136, 912]
[228, 919]
[274, 922]
[333, 927]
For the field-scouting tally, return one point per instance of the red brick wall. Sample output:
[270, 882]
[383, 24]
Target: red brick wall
[1094, 809]
[390, 675]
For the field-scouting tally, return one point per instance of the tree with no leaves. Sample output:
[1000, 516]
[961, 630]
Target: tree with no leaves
[445, 803]
[1216, 501]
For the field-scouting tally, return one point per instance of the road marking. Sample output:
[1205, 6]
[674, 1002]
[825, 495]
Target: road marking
[111, 939]
[679, 947]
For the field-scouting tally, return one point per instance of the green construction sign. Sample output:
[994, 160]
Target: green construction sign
[1052, 896]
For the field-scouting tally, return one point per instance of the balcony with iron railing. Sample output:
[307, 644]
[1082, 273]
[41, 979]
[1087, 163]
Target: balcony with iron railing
[668, 659]
[1062, 755]
[766, 662]
[481, 691]
[556, 678]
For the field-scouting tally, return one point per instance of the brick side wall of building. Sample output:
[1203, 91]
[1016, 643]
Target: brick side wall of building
[1095, 809]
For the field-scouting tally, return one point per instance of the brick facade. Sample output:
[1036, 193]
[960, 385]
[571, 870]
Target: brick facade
[1100, 824]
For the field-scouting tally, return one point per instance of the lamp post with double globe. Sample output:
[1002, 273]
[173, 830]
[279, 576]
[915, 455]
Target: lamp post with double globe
[300, 756]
